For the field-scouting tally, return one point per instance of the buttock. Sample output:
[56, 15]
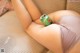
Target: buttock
[70, 31]
[71, 22]
[69, 39]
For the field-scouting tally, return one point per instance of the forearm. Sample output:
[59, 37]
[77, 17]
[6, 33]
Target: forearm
[32, 9]
[22, 13]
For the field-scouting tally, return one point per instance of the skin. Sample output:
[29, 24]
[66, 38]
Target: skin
[49, 36]
[7, 4]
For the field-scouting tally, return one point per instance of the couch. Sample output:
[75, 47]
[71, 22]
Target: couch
[13, 39]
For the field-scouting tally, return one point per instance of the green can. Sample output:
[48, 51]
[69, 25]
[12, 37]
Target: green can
[45, 20]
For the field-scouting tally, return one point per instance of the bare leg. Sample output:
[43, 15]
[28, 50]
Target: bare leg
[56, 16]
[48, 36]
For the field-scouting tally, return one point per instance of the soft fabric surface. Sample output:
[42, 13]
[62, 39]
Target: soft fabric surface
[19, 41]
[49, 6]
[73, 5]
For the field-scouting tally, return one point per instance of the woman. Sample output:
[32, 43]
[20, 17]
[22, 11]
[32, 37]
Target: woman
[53, 36]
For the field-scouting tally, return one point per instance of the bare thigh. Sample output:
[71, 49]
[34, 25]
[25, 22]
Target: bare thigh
[56, 16]
[67, 18]
[47, 36]
[50, 36]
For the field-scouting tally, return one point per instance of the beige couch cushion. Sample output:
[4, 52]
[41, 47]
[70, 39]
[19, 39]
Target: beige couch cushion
[76, 48]
[20, 42]
[49, 6]
[73, 5]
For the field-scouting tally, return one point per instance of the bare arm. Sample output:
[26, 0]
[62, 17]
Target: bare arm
[32, 8]
[22, 13]
[56, 16]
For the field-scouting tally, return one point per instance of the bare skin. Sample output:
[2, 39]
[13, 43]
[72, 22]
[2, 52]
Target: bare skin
[49, 36]
[5, 6]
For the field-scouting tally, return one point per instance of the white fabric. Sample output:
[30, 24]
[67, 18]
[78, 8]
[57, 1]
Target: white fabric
[13, 38]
